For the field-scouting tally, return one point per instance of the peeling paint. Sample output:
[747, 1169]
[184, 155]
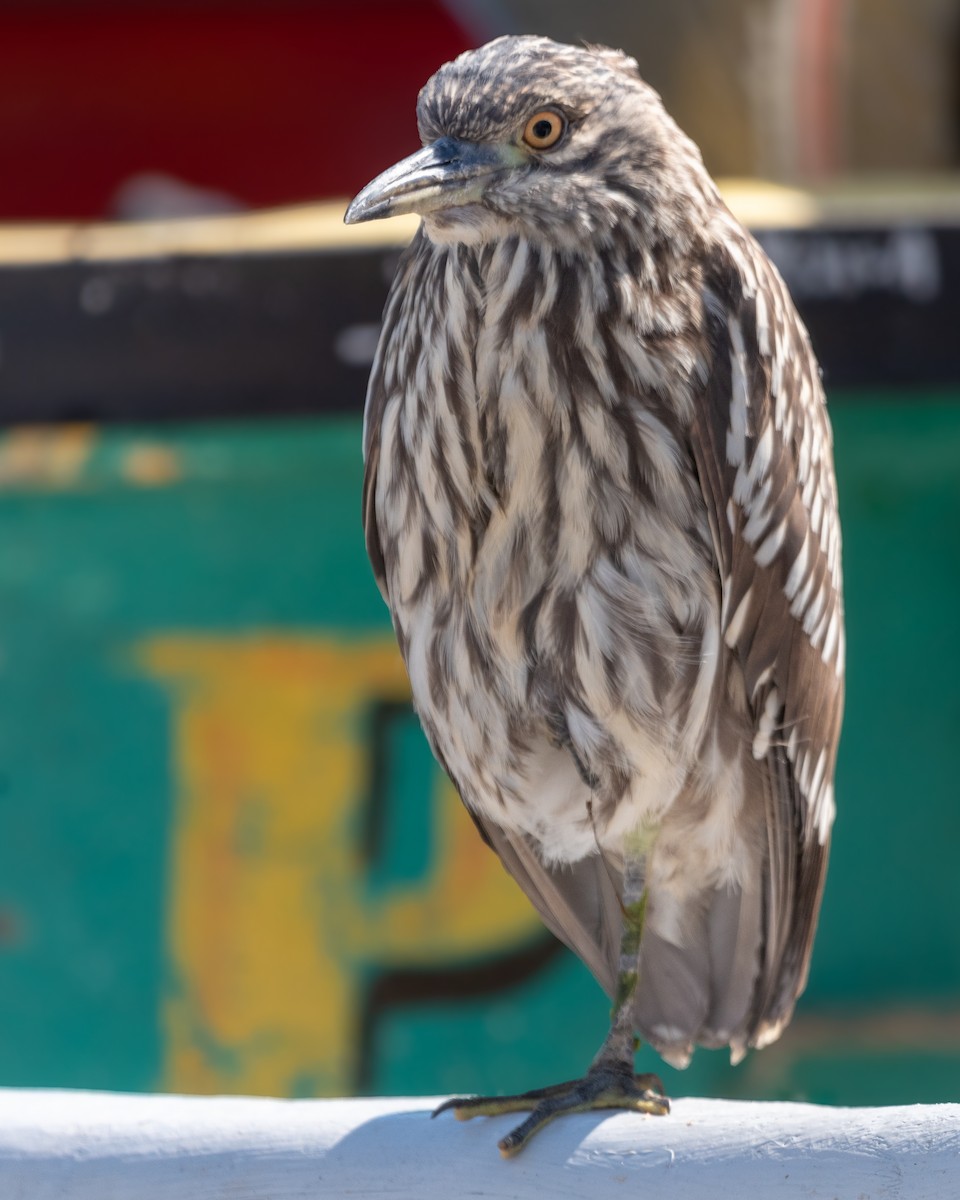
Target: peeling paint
[45, 457]
[151, 465]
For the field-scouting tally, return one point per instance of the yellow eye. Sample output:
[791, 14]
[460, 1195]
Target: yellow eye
[544, 129]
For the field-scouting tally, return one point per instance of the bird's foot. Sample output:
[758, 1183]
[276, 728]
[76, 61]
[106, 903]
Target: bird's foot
[602, 1087]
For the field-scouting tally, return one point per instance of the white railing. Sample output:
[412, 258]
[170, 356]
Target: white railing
[58, 1145]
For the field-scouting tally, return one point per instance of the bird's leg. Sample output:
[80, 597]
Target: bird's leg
[610, 1081]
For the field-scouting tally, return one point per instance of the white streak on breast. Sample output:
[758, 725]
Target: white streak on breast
[703, 688]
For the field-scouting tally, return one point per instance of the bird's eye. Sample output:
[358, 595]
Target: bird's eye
[544, 129]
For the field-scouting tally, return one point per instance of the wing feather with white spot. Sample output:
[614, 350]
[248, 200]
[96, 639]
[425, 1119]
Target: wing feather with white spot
[763, 448]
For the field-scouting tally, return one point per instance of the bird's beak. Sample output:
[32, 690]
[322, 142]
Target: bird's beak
[446, 173]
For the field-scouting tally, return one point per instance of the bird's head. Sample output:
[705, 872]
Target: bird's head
[553, 142]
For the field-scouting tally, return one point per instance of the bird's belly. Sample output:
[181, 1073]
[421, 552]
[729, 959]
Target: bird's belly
[570, 711]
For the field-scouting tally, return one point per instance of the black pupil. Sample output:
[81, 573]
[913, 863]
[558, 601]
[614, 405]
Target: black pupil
[543, 129]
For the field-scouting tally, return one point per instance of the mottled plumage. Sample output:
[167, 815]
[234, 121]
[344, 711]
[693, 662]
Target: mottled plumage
[599, 500]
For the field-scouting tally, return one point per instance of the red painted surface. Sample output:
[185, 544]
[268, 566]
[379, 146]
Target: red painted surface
[270, 103]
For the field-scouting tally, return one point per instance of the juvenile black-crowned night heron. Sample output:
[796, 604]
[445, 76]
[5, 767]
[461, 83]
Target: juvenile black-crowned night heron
[600, 503]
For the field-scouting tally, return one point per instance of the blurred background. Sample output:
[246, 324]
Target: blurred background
[227, 860]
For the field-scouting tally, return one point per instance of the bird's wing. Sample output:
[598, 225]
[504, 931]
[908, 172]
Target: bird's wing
[578, 902]
[372, 416]
[382, 383]
[763, 450]
[370, 532]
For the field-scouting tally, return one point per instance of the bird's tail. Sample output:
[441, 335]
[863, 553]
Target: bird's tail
[702, 991]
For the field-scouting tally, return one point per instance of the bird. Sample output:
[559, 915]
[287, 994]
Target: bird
[599, 499]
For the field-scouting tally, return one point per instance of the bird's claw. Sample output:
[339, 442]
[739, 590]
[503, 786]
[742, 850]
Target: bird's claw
[599, 1089]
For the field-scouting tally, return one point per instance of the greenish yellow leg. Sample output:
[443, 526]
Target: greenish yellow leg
[610, 1082]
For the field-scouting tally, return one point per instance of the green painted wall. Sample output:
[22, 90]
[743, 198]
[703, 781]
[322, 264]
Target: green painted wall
[225, 855]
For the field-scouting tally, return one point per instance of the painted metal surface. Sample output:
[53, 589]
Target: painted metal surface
[228, 863]
[95, 1146]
